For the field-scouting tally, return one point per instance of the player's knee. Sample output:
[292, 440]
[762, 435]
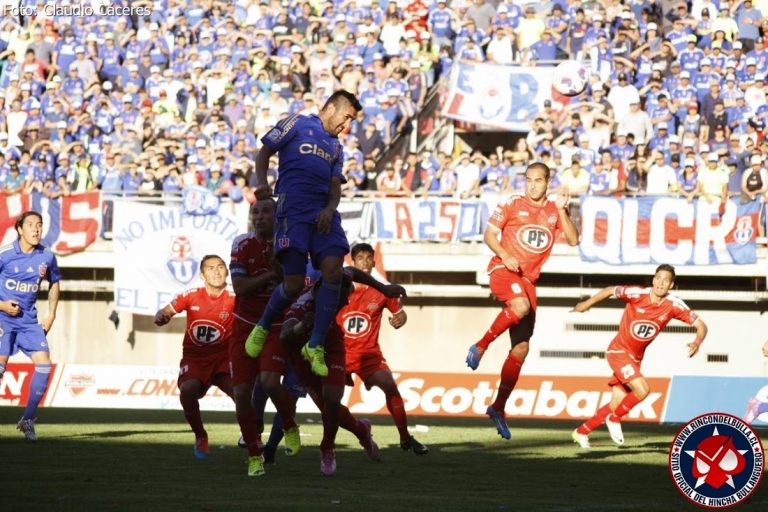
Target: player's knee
[332, 274]
[520, 350]
[293, 285]
[641, 389]
[242, 397]
[521, 308]
[270, 382]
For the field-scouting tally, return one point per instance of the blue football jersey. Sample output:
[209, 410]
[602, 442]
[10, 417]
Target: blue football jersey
[20, 277]
[308, 158]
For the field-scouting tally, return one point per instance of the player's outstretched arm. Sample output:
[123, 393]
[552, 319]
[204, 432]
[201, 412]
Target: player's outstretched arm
[53, 304]
[603, 294]
[701, 333]
[253, 285]
[392, 291]
[765, 349]
[164, 315]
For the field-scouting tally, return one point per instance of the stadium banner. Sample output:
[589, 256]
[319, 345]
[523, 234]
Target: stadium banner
[504, 97]
[14, 386]
[543, 397]
[428, 220]
[70, 223]
[692, 396]
[158, 250]
[641, 230]
[424, 394]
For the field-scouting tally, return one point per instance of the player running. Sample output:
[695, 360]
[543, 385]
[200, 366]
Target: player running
[23, 265]
[309, 191]
[327, 391]
[647, 312]
[205, 355]
[254, 276]
[360, 321]
[521, 233]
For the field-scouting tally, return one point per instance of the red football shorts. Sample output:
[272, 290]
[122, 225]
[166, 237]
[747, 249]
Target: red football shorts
[625, 368]
[242, 368]
[274, 356]
[213, 370]
[365, 365]
[507, 285]
[334, 360]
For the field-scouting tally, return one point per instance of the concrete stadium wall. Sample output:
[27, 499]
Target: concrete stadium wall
[436, 339]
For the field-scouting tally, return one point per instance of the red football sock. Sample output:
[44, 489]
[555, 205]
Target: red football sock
[330, 427]
[247, 422]
[509, 374]
[506, 319]
[284, 407]
[397, 411]
[192, 412]
[595, 421]
[348, 422]
[625, 406]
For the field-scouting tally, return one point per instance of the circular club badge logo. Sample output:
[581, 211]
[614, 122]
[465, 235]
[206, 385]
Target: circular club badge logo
[716, 461]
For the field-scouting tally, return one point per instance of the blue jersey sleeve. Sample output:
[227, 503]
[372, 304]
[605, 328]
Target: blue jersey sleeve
[338, 165]
[282, 133]
[53, 273]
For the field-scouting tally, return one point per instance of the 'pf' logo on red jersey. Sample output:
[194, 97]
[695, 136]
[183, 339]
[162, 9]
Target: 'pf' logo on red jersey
[356, 323]
[535, 238]
[716, 461]
[643, 330]
[205, 332]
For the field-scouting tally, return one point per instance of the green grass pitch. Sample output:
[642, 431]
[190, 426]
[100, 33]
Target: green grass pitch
[121, 460]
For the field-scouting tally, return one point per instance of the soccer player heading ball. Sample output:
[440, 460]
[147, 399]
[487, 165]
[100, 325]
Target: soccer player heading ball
[307, 223]
[521, 233]
[648, 311]
[23, 265]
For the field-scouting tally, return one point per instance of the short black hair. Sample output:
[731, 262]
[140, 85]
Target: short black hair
[344, 95]
[210, 257]
[539, 165]
[361, 247]
[666, 267]
[20, 221]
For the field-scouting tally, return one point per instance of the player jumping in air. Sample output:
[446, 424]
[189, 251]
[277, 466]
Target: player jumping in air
[521, 233]
[647, 312]
[308, 191]
[205, 355]
[360, 320]
[327, 391]
[23, 266]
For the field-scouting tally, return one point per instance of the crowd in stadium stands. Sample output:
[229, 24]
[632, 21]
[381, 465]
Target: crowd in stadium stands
[149, 104]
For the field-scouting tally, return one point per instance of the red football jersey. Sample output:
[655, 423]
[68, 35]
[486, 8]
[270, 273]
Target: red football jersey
[251, 257]
[527, 232]
[643, 320]
[209, 321]
[360, 320]
[306, 303]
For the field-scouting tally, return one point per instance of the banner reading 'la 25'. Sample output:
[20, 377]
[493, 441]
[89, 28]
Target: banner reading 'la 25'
[667, 230]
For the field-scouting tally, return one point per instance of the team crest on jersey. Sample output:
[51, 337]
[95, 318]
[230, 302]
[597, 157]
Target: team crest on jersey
[535, 238]
[223, 315]
[356, 323]
[643, 330]
[42, 270]
[181, 264]
[716, 461]
[205, 332]
[274, 134]
[283, 242]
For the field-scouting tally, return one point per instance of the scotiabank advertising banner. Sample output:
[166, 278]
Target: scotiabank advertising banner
[424, 394]
[14, 386]
[550, 397]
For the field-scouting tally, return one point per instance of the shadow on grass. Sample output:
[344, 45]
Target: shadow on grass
[92, 465]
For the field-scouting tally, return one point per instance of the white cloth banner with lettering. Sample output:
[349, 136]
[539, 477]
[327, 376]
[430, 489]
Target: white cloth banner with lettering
[506, 97]
[158, 250]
